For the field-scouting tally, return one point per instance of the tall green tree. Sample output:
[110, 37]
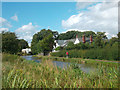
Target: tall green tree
[9, 42]
[98, 39]
[113, 40]
[46, 45]
[42, 41]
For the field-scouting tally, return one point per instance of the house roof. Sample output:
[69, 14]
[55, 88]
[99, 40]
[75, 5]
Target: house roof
[64, 42]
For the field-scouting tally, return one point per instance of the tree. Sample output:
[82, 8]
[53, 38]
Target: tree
[98, 39]
[22, 44]
[72, 35]
[70, 43]
[41, 40]
[70, 46]
[67, 35]
[46, 45]
[59, 48]
[9, 42]
[113, 40]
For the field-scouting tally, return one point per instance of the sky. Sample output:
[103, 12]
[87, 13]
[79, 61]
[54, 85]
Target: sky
[28, 18]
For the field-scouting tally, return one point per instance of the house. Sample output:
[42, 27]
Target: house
[63, 43]
[75, 41]
[27, 50]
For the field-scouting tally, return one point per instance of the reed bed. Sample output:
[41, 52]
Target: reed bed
[20, 73]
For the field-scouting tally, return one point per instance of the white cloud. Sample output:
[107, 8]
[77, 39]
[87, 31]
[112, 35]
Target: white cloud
[97, 0]
[75, 30]
[4, 23]
[82, 5]
[4, 29]
[100, 17]
[15, 17]
[27, 31]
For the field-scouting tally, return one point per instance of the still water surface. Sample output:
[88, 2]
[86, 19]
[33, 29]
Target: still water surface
[84, 67]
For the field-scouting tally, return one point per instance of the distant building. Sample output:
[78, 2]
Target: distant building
[63, 43]
[27, 50]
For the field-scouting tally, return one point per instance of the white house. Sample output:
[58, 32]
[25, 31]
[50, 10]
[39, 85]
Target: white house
[27, 50]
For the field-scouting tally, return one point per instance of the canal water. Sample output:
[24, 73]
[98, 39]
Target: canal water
[84, 67]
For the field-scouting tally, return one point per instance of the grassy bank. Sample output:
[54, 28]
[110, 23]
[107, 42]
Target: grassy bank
[96, 53]
[19, 73]
[79, 60]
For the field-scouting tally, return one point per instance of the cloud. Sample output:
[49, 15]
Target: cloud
[27, 31]
[97, 0]
[15, 17]
[4, 29]
[82, 5]
[75, 30]
[4, 23]
[100, 17]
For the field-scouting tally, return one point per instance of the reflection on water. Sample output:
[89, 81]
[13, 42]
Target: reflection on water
[30, 57]
[61, 64]
[84, 67]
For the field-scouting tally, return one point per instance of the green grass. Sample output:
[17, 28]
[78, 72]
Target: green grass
[20, 73]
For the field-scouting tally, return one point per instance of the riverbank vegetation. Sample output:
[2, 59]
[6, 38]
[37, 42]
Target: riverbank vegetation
[107, 53]
[19, 73]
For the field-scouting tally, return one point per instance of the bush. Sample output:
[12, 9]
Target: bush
[98, 53]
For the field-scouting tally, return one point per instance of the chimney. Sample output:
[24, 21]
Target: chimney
[91, 40]
[76, 36]
[83, 38]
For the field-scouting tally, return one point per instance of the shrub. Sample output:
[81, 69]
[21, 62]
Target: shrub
[96, 53]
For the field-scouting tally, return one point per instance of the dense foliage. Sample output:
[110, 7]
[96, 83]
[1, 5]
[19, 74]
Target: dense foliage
[43, 41]
[107, 53]
[72, 35]
[22, 44]
[11, 44]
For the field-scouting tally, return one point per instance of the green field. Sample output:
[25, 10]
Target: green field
[20, 73]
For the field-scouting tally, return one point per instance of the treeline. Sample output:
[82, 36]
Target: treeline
[72, 35]
[43, 41]
[100, 41]
[11, 44]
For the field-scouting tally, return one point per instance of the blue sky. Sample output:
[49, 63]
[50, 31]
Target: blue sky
[44, 14]
[28, 18]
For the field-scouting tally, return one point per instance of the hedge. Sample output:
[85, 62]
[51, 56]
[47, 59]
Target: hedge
[96, 53]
